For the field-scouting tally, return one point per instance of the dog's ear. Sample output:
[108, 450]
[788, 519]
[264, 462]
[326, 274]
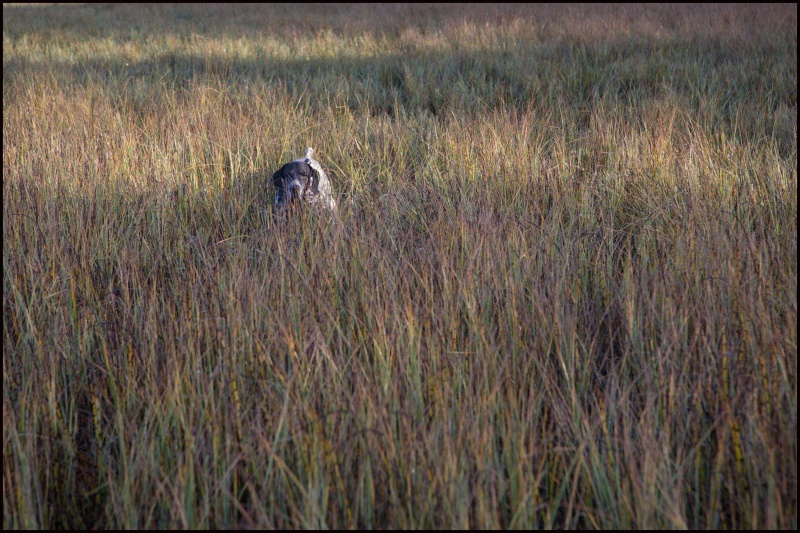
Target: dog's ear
[314, 185]
[279, 183]
[277, 178]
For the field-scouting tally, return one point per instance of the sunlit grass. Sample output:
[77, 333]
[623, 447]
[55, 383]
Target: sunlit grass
[561, 291]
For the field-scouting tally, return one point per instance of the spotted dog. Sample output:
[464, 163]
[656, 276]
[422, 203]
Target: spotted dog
[302, 181]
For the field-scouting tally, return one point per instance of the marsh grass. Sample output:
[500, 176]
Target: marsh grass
[561, 290]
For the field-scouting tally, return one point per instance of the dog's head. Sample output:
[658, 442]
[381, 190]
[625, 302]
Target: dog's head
[296, 182]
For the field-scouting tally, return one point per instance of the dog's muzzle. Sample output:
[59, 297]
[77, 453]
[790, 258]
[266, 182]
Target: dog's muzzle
[294, 191]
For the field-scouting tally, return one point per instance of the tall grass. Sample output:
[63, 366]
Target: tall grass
[561, 292]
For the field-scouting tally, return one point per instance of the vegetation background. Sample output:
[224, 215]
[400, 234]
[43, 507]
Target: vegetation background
[562, 291]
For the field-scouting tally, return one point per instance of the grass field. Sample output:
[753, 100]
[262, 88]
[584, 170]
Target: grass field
[562, 291]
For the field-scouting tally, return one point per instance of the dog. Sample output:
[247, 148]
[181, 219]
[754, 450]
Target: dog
[302, 181]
